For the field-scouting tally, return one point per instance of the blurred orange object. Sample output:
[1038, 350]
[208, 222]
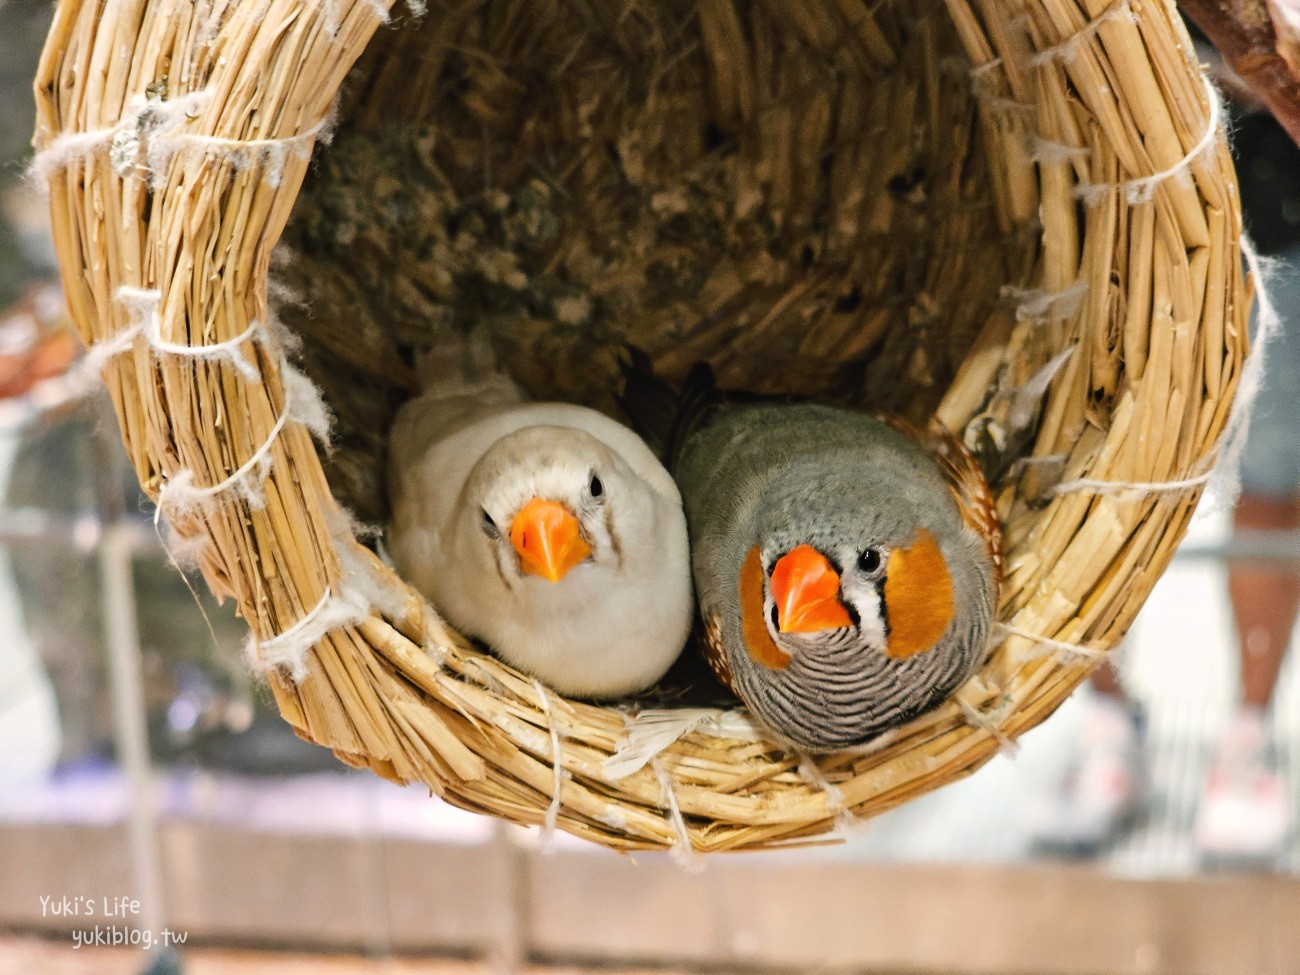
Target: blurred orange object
[36, 341]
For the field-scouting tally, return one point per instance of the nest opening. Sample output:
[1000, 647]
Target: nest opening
[1017, 217]
[798, 197]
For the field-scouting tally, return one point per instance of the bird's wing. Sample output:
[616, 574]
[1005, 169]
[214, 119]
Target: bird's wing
[715, 652]
[668, 418]
[664, 416]
[650, 403]
[965, 479]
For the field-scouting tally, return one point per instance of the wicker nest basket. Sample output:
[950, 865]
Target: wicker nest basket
[1017, 214]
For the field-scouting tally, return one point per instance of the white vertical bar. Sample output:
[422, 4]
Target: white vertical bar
[509, 953]
[119, 608]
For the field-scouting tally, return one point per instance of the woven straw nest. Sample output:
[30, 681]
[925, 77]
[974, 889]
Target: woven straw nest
[1021, 215]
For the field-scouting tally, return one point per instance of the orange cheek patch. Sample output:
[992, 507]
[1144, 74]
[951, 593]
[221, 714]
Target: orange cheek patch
[758, 641]
[918, 597]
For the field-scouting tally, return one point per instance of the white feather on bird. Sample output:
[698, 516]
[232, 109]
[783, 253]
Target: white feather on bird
[547, 530]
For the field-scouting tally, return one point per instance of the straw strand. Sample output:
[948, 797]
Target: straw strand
[1072, 649]
[1141, 190]
[683, 850]
[302, 404]
[1221, 463]
[1066, 49]
[557, 763]
[145, 139]
[143, 303]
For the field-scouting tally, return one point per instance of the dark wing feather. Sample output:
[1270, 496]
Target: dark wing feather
[715, 653]
[664, 417]
[651, 403]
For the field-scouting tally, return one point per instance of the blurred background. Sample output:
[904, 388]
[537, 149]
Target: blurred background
[148, 785]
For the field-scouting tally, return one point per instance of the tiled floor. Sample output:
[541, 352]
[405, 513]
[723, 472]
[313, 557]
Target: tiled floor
[30, 956]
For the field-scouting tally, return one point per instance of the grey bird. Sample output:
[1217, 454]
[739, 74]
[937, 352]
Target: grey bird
[846, 567]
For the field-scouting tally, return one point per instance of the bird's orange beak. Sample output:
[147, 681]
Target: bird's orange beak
[807, 593]
[546, 536]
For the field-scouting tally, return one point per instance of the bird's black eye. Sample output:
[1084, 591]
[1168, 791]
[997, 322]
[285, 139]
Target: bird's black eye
[870, 561]
[776, 619]
[596, 488]
[489, 526]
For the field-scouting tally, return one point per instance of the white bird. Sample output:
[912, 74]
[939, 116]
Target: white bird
[547, 530]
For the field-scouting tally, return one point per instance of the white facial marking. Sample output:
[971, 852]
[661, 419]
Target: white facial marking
[568, 467]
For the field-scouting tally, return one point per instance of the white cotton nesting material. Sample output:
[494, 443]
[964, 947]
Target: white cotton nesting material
[683, 850]
[143, 306]
[125, 141]
[1225, 483]
[1068, 48]
[303, 404]
[149, 134]
[552, 815]
[360, 590]
[1037, 305]
[1141, 190]
[1042, 646]
[289, 649]
[846, 823]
